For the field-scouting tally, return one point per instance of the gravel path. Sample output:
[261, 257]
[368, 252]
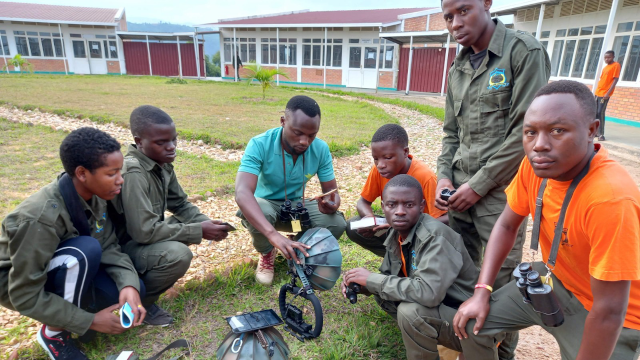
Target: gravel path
[425, 134]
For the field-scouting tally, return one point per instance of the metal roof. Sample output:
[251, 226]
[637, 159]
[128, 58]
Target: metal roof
[513, 8]
[420, 37]
[344, 18]
[155, 36]
[13, 11]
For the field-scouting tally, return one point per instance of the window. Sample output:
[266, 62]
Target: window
[573, 32]
[4, 43]
[620, 45]
[386, 55]
[33, 43]
[567, 59]
[312, 52]
[245, 48]
[110, 49]
[545, 34]
[587, 30]
[625, 27]
[581, 58]
[561, 33]
[555, 58]
[633, 63]
[288, 51]
[600, 29]
[545, 44]
[594, 58]
[79, 50]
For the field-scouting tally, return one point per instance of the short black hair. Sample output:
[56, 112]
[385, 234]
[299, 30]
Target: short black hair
[391, 132]
[86, 147]
[613, 53]
[145, 115]
[404, 181]
[308, 106]
[580, 91]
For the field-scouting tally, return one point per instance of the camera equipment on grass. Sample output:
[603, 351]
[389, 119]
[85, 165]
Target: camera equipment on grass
[319, 271]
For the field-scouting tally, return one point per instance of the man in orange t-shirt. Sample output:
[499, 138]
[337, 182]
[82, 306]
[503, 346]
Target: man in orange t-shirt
[390, 152]
[606, 86]
[597, 275]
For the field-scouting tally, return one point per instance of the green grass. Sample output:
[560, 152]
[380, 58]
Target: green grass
[360, 331]
[433, 111]
[216, 112]
[31, 161]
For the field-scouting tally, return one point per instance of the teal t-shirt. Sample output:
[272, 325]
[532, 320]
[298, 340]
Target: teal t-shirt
[263, 158]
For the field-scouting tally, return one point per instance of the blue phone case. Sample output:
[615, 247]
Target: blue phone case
[126, 316]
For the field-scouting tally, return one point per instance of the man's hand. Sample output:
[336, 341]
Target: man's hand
[106, 322]
[213, 230]
[287, 247]
[477, 307]
[443, 184]
[328, 204]
[130, 295]
[463, 199]
[358, 276]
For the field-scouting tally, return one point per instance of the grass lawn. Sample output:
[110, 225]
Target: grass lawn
[32, 161]
[225, 113]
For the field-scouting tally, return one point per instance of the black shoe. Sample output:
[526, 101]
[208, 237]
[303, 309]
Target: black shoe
[60, 346]
[157, 316]
[88, 337]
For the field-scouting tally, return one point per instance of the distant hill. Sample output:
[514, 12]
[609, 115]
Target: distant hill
[211, 42]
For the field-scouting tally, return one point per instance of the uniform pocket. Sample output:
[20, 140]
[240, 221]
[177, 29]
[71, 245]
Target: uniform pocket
[495, 113]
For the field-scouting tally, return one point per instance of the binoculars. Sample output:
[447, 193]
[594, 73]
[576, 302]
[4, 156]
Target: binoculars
[445, 194]
[352, 292]
[539, 295]
[288, 213]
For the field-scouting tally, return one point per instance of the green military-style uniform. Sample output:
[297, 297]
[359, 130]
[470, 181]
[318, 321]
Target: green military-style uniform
[440, 277]
[31, 234]
[482, 146]
[157, 246]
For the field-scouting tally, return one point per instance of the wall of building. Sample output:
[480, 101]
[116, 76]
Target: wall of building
[559, 18]
[436, 22]
[386, 80]
[416, 24]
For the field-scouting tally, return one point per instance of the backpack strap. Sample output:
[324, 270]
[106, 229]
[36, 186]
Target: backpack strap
[72, 202]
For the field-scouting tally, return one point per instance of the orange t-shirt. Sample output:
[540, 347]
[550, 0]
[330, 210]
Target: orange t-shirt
[375, 184]
[609, 72]
[404, 262]
[602, 227]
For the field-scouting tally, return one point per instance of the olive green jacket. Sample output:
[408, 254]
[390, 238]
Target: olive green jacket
[30, 235]
[438, 266]
[484, 114]
[148, 191]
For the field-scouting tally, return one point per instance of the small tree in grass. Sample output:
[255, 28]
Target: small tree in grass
[19, 62]
[264, 76]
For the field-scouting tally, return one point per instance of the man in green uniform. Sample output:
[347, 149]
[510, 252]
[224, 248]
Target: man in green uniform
[158, 246]
[59, 253]
[425, 275]
[491, 83]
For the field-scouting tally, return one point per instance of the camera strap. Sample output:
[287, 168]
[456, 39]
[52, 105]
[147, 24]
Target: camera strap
[557, 237]
[284, 170]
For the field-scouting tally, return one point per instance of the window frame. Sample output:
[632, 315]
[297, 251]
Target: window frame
[248, 41]
[25, 34]
[326, 50]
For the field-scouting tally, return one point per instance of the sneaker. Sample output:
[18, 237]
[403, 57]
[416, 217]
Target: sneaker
[264, 272]
[601, 138]
[157, 316]
[60, 346]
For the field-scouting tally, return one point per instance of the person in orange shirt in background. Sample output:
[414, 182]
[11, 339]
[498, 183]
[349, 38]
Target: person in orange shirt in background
[390, 152]
[606, 86]
[596, 278]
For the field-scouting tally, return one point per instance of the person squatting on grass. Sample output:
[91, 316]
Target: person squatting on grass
[158, 246]
[597, 274]
[276, 167]
[425, 275]
[390, 152]
[64, 268]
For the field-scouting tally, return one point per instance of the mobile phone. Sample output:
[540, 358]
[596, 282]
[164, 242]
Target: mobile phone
[231, 227]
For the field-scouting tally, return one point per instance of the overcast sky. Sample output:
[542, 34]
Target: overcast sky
[190, 12]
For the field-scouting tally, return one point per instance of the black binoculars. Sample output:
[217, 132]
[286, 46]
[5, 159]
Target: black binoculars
[352, 292]
[445, 194]
[287, 213]
[539, 295]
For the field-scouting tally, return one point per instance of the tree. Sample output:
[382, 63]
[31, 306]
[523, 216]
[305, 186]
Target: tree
[262, 75]
[213, 66]
[19, 62]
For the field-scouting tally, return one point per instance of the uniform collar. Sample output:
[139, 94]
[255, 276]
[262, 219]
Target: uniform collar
[496, 44]
[147, 163]
[392, 240]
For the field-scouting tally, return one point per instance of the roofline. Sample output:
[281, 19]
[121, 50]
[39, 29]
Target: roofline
[512, 8]
[59, 21]
[413, 33]
[155, 33]
[265, 15]
[378, 24]
[419, 13]
[392, 23]
[119, 13]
